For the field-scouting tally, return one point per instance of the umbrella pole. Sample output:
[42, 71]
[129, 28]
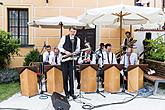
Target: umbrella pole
[131, 29]
[121, 17]
[61, 29]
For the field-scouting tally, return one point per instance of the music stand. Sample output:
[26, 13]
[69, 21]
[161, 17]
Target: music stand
[112, 77]
[136, 77]
[40, 71]
[125, 72]
[54, 78]
[88, 70]
[28, 80]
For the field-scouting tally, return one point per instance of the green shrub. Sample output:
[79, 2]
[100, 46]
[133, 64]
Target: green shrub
[8, 47]
[156, 49]
[8, 75]
[32, 56]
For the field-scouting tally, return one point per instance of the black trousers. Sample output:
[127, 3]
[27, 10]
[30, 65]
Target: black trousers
[67, 71]
[125, 81]
[44, 71]
[78, 76]
[100, 73]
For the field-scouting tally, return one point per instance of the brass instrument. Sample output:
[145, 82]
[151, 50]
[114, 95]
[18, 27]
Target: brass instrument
[120, 52]
[73, 56]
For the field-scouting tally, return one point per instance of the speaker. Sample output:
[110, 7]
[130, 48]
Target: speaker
[148, 35]
[60, 102]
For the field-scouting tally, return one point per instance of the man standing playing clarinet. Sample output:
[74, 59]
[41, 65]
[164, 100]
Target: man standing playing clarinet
[68, 46]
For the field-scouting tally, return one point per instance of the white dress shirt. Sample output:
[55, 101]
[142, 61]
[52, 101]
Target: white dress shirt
[81, 58]
[125, 61]
[104, 60]
[62, 41]
[133, 59]
[47, 56]
[53, 58]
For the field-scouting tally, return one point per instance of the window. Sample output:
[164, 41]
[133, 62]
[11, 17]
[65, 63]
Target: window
[87, 35]
[17, 24]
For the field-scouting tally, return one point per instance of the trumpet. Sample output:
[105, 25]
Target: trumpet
[121, 51]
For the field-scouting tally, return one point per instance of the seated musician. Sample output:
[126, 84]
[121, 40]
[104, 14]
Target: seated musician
[99, 52]
[87, 57]
[47, 55]
[55, 58]
[46, 59]
[108, 58]
[129, 58]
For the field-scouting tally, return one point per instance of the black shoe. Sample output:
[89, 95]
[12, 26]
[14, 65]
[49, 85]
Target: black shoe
[73, 96]
[67, 96]
[78, 86]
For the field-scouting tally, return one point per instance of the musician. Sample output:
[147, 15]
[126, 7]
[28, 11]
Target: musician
[108, 58]
[47, 55]
[55, 59]
[69, 45]
[129, 58]
[87, 57]
[127, 41]
[101, 48]
[99, 52]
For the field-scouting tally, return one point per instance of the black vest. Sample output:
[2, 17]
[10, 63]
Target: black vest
[127, 41]
[68, 43]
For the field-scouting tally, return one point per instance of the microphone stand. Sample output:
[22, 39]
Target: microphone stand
[125, 72]
[73, 62]
[99, 71]
[80, 95]
[41, 71]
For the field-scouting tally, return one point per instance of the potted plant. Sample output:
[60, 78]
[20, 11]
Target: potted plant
[156, 49]
[156, 55]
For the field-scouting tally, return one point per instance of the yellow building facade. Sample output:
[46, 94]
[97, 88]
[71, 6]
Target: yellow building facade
[49, 8]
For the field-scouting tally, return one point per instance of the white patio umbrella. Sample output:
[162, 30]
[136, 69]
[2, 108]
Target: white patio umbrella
[56, 22]
[124, 14]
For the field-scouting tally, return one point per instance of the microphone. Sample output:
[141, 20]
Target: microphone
[87, 45]
[72, 41]
[44, 43]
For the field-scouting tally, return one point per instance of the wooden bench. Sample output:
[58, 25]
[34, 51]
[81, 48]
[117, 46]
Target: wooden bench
[159, 76]
[156, 80]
